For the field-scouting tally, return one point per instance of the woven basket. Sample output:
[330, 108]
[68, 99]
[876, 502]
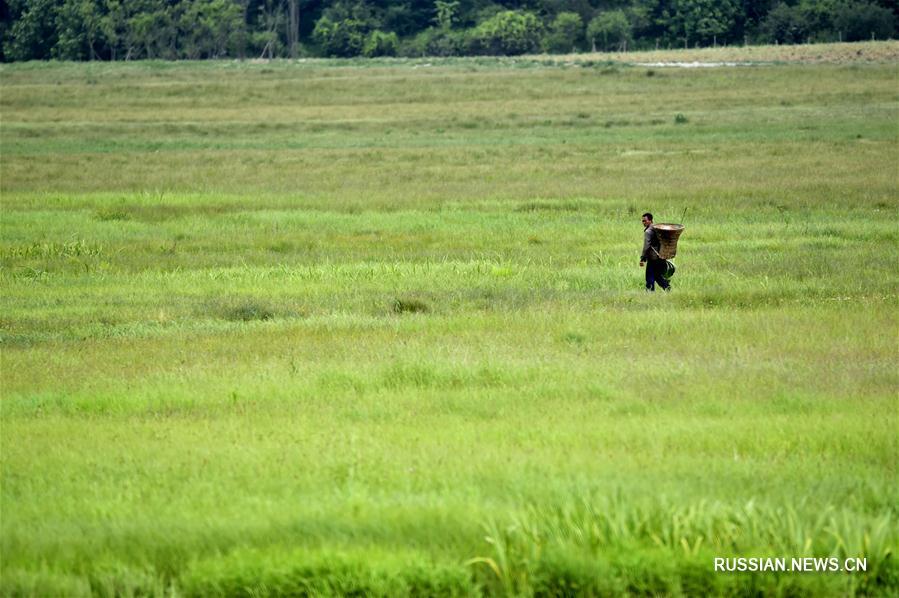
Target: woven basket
[668, 235]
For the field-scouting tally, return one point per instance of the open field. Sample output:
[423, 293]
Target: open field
[379, 328]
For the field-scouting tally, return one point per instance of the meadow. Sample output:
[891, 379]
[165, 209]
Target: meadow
[378, 328]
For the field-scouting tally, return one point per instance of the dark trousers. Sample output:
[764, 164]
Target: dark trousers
[654, 269]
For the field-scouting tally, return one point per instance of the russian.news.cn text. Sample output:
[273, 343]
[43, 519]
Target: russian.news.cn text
[791, 565]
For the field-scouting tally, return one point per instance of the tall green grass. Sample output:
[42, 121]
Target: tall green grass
[379, 329]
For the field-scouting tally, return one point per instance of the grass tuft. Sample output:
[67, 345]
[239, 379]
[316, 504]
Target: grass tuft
[409, 305]
[247, 310]
[111, 214]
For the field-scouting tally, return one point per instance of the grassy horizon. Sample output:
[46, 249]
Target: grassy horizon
[329, 328]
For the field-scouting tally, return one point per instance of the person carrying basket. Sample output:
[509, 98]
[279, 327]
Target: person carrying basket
[651, 259]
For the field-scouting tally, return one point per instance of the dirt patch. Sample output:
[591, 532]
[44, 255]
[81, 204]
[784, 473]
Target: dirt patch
[696, 65]
[860, 52]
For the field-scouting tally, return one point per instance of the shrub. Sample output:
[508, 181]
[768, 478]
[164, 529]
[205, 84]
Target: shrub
[112, 213]
[343, 38]
[403, 305]
[248, 311]
[507, 33]
[436, 41]
[379, 43]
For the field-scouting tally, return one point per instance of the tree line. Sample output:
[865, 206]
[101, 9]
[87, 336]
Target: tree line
[209, 29]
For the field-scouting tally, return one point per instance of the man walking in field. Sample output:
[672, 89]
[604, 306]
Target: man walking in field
[650, 258]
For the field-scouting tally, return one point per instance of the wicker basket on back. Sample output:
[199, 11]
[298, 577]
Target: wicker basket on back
[668, 235]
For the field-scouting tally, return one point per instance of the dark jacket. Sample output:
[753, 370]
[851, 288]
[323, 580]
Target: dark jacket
[651, 245]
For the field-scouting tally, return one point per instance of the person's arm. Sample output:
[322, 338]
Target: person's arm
[647, 245]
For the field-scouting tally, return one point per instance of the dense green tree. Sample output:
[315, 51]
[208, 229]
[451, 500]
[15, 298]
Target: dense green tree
[369, 14]
[827, 20]
[379, 43]
[447, 11]
[785, 24]
[151, 34]
[508, 33]
[566, 34]
[702, 21]
[138, 29]
[33, 35]
[437, 41]
[78, 30]
[6, 20]
[340, 38]
[754, 11]
[406, 17]
[583, 8]
[857, 21]
[113, 24]
[263, 39]
[211, 28]
[344, 28]
[818, 16]
[609, 30]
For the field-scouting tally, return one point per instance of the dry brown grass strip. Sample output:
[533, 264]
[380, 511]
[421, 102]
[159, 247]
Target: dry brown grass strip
[845, 53]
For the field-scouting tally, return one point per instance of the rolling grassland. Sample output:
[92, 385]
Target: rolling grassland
[378, 328]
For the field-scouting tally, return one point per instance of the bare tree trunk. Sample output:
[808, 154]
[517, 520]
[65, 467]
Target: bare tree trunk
[267, 48]
[293, 31]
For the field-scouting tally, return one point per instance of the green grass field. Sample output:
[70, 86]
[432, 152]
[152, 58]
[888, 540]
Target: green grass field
[378, 328]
